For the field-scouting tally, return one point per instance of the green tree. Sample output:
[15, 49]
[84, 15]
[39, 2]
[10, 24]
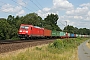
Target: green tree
[4, 29]
[84, 31]
[51, 20]
[40, 21]
[69, 29]
[32, 19]
[7, 31]
[76, 30]
[10, 19]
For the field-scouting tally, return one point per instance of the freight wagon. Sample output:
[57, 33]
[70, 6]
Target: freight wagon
[62, 34]
[55, 34]
[47, 33]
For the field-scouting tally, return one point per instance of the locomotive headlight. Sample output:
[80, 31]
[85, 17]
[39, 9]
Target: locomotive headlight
[20, 31]
[26, 31]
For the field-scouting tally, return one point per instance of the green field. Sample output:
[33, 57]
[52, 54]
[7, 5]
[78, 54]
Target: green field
[65, 49]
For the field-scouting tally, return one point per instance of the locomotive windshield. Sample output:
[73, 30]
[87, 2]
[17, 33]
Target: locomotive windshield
[24, 27]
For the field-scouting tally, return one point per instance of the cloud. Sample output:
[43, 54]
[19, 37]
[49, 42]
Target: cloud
[20, 13]
[20, 2]
[88, 13]
[46, 9]
[76, 17]
[43, 13]
[75, 21]
[85, 5]
[78, 11]
[64, 18]
[57, 6]
[62, 4]
[18, 10]
[7, 8]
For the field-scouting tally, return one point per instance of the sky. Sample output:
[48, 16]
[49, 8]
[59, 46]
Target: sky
[71, 12]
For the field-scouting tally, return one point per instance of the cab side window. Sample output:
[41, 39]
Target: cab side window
[31, 28]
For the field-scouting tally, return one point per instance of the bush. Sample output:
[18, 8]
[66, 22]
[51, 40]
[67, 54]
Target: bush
[59, 46]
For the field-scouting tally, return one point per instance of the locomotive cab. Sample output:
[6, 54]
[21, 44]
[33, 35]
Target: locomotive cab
[24, 31]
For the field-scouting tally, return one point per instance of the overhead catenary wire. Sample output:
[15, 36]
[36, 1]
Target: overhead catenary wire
[39, 3]
[29, 5]
[22, 6]
[35, 4]
[10, 12]
[63, 24]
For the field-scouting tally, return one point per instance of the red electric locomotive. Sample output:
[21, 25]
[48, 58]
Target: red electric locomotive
[29, 31]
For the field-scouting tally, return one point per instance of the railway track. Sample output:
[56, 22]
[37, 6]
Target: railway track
[8, 46]
[19, 41]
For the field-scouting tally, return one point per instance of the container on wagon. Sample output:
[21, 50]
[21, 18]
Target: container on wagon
[54, 33]
[58, 33]
[68, 34]
[87, 35]
[77, 35]
[62, 33]
[72, 35]
[83, 35]
[47, 32]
